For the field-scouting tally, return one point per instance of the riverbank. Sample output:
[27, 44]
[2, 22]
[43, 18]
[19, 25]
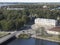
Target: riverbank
[31, 41]
[46, 38]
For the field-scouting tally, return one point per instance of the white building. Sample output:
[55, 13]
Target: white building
[44, 6]
[15, 8]
[48, 24]
[45, 22]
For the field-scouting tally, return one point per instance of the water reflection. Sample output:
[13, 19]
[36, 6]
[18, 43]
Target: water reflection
[31, 41]
[44, 42]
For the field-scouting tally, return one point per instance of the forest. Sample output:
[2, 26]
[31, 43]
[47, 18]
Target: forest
[15, 19]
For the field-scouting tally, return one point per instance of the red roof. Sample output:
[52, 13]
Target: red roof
[57, 28]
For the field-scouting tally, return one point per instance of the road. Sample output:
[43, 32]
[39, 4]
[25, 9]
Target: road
[5, 38]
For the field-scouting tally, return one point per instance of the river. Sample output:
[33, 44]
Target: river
[31, 41]
[6, 4]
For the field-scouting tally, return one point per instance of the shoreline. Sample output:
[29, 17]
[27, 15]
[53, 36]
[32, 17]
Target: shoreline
[47, 39]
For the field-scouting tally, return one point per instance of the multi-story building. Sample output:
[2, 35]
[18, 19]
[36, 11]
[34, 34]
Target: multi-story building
[51, 26]
[45, 22]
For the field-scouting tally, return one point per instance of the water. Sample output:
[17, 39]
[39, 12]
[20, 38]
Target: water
[31, 41]
[44, 42]
[6, 4]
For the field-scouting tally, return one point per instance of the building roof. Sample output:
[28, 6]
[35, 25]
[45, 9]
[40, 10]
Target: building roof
[45, 19]
[57, 28]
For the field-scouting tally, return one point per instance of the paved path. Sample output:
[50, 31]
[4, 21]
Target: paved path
[5, 38]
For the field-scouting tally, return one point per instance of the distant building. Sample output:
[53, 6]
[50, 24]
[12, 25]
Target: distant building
[44, 6]
[15, 8]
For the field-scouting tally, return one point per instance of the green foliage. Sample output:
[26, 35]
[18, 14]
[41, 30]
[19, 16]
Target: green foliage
[1, 15]
[6, 25]
[25, 19]
[19, 23]
[15, 19]
[24, 36]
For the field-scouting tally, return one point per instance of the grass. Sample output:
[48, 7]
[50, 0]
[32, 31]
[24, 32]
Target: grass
[56, 38]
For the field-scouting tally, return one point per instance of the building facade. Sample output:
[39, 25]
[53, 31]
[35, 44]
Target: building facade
[45, 22]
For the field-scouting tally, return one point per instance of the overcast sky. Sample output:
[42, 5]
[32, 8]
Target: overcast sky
[29, 0]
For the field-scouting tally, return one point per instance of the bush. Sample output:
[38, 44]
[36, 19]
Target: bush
[24, 36]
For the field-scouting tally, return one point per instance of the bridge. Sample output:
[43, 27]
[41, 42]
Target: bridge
[5, 38]
[12, 34]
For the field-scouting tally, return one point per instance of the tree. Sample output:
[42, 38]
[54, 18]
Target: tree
[27, 12]
[6, 25]
[0, 25]
[1, 16]
[19, 23]
[25, 18]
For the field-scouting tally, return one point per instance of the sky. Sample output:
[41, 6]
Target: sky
[29, 0]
